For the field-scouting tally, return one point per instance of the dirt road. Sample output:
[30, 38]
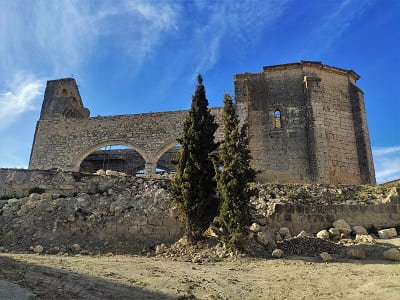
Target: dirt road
[139, 277]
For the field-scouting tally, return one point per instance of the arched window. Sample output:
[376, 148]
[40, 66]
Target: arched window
[277, 118]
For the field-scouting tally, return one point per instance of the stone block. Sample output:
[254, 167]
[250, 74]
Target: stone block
[359, 230]
[169, 221]
[45, 196]
[387, 233]
[154, 219]
[140, 220]
[392, 254]
[133, 229]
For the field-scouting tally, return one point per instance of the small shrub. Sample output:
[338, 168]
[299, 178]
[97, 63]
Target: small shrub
[217, 259]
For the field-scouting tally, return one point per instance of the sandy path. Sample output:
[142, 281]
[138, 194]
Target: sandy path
[137, 277]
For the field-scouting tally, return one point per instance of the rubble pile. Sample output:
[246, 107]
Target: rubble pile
[132, 215]
[309, 246]
[341, 240]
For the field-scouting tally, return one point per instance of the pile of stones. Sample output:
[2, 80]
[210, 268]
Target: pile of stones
[324, 243]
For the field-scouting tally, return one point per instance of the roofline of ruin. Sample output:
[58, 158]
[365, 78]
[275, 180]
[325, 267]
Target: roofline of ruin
[309, 63]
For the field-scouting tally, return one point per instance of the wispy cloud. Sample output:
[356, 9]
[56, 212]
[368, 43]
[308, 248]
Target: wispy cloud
[22, 96]
[387, 163]
[334, 23]
[139, 25]
[54, 39]
[67, 33]
[241, 20]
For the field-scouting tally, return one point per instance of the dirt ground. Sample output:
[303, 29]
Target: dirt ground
[140, 277]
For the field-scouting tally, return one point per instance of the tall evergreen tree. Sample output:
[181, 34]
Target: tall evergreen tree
[193, 188]
[233, 174]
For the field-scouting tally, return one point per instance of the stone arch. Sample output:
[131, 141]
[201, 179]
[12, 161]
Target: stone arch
[164, 149]
[88, 151]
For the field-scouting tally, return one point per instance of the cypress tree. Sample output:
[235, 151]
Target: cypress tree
[233, 174]
[193, 188]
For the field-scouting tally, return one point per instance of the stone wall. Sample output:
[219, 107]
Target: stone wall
[313, 218]
[18, 182]
[109, 213]
[64, 143]
[322, 133]
[105, 212]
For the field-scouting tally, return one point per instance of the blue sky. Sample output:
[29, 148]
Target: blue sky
[132, 56]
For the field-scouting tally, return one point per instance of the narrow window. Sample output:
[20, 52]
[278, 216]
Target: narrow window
[277, 117]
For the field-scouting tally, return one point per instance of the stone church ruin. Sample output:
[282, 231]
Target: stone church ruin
[307, 123]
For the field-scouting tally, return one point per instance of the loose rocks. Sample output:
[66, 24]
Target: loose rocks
[38, 249]
[160, 249]
[342, 226]
[101, 172]
[34, 196]
[356, 253]
[392, 254]
[284, 232]
[325, 256]
[387, 233]
[334, 232]
[302, 234]
[45, 196]
[323, 234]
[75, 247]
[263, 238]
[255, 227]
[364, 239]
[277, 253]
[359, 230]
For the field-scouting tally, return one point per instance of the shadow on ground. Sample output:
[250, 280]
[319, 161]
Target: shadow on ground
[51, 283]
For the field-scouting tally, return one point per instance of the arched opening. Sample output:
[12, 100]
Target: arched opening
[114, 157]
[165, 163]
[277, 118]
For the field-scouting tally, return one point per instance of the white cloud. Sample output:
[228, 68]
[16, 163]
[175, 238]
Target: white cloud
[22, 96]
[240, 20]
[58, 38]
[62, 36]
[387, 163]
[332, 25]
[139, 25]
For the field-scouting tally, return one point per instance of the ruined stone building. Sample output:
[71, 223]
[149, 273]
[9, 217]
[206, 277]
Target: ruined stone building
[307, 123]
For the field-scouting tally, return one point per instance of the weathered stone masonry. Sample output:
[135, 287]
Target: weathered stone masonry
[323, 134]
[65, 135]
[307, 123]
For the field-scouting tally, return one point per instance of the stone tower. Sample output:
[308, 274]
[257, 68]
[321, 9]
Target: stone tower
[307, 123]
